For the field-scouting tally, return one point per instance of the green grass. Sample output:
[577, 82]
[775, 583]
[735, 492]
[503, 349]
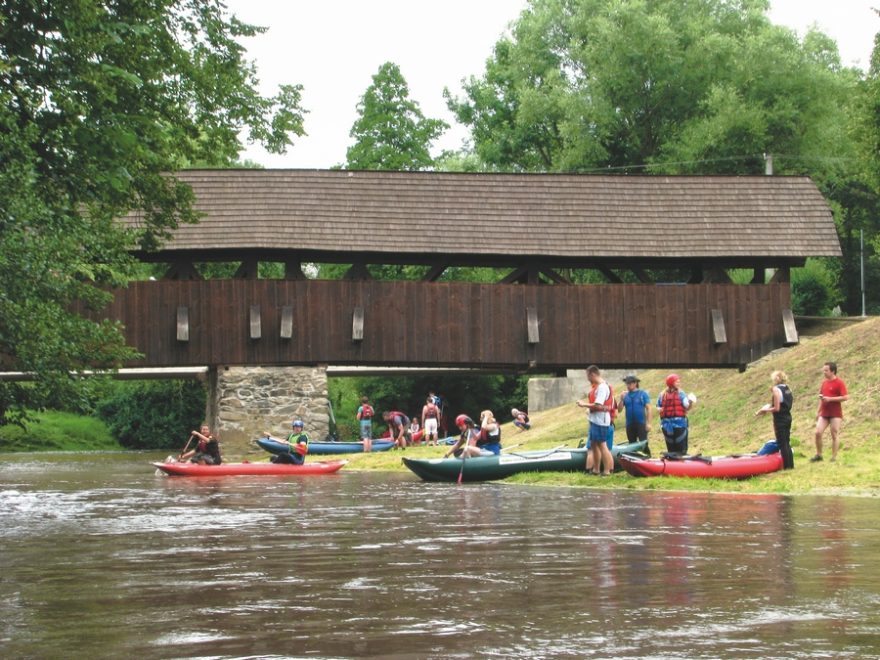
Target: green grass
[58, 431]
[723, 422]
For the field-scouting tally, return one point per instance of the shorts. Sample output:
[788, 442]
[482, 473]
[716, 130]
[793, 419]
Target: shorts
[600, 434]
[366, 428]
[431, 426]
[493, 449]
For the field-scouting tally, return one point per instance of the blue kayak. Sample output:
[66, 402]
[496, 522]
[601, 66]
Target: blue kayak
[322, 448]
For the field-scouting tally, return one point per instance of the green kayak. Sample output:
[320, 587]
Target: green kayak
[488, 468]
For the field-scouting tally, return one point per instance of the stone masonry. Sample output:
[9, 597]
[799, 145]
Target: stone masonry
[243, 402]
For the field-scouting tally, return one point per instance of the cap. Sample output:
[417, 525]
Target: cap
[631, 378]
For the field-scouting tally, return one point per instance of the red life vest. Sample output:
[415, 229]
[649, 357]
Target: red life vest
[609, 403]
[366, 411]
[672, 406]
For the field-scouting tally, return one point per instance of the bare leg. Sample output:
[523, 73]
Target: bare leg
[835, 432]
[821, 425]
[607, 458]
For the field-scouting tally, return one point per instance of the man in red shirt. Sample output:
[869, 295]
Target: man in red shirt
[830, 414]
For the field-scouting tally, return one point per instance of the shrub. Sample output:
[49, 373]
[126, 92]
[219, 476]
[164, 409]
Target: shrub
[154, 415]
[812, 292]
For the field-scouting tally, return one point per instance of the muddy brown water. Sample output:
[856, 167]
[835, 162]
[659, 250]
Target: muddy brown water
[102, 558]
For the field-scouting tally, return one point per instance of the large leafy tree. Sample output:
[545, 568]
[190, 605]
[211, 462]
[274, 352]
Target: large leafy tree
[682, 85]
[99, 101]
[391, 133]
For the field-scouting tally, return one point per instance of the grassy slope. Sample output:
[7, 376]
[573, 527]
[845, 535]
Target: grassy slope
[58, 431]
[723, 422]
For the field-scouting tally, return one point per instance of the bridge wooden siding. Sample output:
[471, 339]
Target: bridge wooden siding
[450, 324]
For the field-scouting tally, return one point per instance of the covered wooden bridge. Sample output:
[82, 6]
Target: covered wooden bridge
[663, 246]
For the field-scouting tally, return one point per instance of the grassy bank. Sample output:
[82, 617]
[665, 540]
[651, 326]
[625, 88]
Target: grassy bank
[58, 431]
[723, 422]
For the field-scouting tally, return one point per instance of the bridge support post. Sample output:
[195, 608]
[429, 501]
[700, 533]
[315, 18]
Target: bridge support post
[245, 401]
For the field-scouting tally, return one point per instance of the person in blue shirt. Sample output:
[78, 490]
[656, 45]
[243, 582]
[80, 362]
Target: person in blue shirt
[637, 403]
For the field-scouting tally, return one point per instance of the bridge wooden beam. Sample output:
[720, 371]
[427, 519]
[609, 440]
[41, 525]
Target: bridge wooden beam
[791, 333]
[183, 323]
[357, 324]
[719, 332]
[256, 322]
[286, 322]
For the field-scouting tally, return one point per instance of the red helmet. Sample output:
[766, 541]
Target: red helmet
[463, 420]
[670, 380]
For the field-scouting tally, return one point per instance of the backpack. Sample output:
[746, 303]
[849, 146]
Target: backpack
[366, 411]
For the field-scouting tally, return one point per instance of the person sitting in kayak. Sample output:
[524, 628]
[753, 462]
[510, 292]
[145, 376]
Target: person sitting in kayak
[466, 445]
[207, 451]
[490, 433]
[297, 446]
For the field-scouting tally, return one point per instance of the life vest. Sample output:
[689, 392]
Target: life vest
[609, 403]
[431, 411]
[299, 444]
[366, 411]
[787, 399]
[672, 405]
[487, 438]
[404, 420]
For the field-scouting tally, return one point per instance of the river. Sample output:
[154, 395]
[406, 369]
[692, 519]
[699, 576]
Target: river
[102, 558]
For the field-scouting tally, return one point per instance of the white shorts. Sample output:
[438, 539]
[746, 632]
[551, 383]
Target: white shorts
[431, 426]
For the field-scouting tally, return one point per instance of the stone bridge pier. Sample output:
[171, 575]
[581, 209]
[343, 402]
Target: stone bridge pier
[243, 402]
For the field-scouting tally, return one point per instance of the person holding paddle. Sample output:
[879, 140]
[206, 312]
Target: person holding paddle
[207, 451]
[466, 445]
[297, 445]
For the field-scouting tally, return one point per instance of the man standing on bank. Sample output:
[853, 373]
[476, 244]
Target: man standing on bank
[832, 393]
[637, 403]
[598, 403]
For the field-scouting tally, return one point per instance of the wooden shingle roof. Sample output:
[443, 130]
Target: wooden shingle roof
[516, 215]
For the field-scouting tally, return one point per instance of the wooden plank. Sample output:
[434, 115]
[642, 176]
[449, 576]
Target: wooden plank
[357, 324]
[532, 321]
[719, 334]
[791, 333]
[183, 323]
[256, 322]
[286, 322]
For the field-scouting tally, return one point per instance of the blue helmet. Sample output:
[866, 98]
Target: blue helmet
[297, 422]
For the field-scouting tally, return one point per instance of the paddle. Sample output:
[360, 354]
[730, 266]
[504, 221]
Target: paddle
[185, 447]
[461, 472]
[512, 446]
[546, 453]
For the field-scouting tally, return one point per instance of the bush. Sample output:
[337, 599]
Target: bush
[812, 293]
[154, 415]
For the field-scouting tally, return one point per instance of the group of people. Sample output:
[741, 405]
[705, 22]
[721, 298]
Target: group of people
[673, 406]
[402, 429]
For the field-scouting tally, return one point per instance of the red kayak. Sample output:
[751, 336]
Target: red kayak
[233, 469]
[717, 467]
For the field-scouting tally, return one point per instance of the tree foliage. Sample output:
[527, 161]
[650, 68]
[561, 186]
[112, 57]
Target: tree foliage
[98, 102]
[154, 415]
[679, 85]
[391, 133]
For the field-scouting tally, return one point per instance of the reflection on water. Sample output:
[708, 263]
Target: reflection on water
[102, 557]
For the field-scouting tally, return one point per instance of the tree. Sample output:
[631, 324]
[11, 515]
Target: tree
[98, 103]
[673, 85]
[391, 133]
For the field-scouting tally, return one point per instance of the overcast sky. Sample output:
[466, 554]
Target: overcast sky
[334, 47]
